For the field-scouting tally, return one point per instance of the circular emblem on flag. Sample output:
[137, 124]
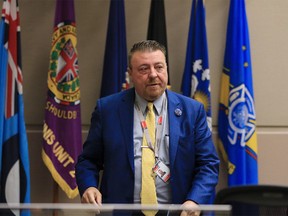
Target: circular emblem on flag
[63, 77]
[241, 115]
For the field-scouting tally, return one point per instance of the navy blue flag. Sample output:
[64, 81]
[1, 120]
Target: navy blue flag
[237, 118]
[196, 76]
[115, 59]
[157, 26]
[14, 158]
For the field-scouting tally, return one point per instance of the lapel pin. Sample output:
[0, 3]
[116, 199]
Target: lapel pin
[178, 112]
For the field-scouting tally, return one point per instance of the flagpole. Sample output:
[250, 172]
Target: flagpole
[55, 196]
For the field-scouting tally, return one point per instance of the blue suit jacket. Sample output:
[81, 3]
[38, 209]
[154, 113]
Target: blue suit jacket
[194, 162]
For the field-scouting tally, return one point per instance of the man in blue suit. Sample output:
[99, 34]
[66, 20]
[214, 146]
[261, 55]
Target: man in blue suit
[187, 162]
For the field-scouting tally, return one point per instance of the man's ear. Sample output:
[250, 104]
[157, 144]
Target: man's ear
[129, 71]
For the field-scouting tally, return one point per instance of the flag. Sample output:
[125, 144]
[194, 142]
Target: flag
[62, 139]
[14, 158]
[237, 119]
[196, 76]
[115, 59]
[157, 26]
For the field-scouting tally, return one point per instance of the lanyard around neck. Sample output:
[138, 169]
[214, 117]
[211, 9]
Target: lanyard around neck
[159, 128]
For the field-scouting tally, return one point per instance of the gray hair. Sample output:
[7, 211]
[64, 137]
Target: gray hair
[146, 45]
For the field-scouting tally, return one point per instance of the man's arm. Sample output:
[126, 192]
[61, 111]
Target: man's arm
[90, 161]
[206, 161]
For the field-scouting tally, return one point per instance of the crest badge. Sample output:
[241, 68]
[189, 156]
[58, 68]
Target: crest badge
[241, 115]
[63, 78]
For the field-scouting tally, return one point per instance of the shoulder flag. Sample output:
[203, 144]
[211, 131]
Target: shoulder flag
[196, 76]
[14, 158]
[115, 59]
[237, 119]
[157, 26]
[62, 140]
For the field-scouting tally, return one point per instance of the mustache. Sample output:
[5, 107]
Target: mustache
[153, 81]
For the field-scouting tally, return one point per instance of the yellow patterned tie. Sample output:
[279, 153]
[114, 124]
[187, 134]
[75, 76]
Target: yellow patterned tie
[148, 190]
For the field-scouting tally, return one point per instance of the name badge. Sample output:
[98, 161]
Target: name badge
[161, 170]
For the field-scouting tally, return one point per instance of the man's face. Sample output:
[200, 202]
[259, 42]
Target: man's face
[149, 74]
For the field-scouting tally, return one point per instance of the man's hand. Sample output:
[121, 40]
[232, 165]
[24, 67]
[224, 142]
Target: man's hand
[190, 204]
[92, 195]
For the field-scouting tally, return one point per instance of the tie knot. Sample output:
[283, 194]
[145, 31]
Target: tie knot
[150, 106]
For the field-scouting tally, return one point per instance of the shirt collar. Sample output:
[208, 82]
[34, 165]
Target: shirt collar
[142, 103]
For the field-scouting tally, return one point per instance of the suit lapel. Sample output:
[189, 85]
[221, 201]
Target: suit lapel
[126, 116]
[175, 115]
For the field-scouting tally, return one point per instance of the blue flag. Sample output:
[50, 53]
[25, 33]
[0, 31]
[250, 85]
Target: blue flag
[115, 59]
[14, 158]
[196, 76]
[237, 120]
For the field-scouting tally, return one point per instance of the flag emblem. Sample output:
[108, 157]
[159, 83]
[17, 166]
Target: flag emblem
[63, 78]
[241, 115]
[201, 75]
[67, 68]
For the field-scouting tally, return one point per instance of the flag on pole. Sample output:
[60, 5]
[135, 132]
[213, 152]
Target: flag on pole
[237, 119]
[196, 76]
[115, 59]
[157, 26]
[14, 158]
[62, 139]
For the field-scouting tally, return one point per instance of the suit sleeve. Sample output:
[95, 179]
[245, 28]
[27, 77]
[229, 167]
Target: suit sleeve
[90, 161]
[206, 162]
